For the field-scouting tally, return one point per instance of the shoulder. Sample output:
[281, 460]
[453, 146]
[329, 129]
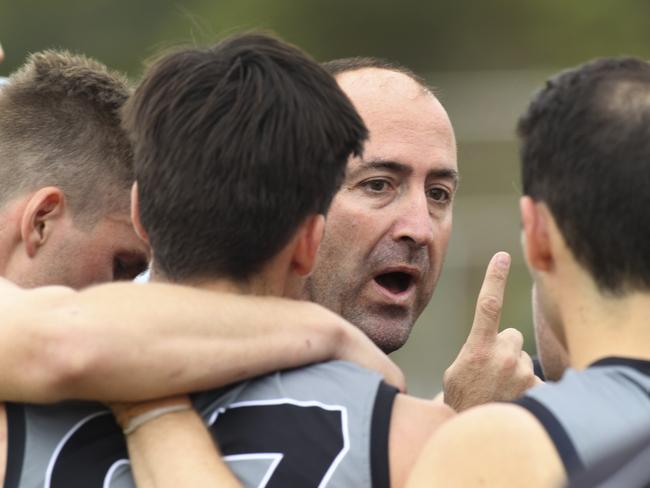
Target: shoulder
[491, 445]
[332, 379]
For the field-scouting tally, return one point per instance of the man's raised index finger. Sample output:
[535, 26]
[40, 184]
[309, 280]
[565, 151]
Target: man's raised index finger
[490, 299]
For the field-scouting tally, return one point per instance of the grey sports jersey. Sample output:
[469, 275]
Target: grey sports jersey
[626, 467]
[590, 413]
[324, 425]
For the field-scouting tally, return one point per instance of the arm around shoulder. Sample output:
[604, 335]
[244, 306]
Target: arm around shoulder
[126, 342]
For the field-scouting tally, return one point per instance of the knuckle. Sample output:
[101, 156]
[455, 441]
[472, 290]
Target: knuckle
[476, 357]
[489, 306]
[512, 334]
[509, 363]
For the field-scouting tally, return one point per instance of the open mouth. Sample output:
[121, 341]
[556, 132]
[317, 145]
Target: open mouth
[395, 282]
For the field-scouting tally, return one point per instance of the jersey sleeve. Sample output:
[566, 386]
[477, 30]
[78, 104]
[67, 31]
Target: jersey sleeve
[565, 448]
[380, 430]
[15, 440]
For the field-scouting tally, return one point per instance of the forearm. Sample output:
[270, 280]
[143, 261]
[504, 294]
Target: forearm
[125, 342]
[175, 450]
[172, 339]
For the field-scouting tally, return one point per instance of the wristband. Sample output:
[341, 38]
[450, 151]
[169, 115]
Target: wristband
[143, 418]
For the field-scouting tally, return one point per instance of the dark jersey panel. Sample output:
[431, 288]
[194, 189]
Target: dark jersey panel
[314, 440]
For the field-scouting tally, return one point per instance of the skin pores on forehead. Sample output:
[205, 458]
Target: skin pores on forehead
[387, 231]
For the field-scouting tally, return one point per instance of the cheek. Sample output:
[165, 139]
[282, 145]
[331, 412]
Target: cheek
[96, 266]
[441, 237]
[354, 228]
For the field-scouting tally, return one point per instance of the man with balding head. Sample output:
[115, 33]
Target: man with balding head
[390, 223]
[388, 229]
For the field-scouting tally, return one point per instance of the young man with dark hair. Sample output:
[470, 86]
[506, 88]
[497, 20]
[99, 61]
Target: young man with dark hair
[585, 166]
[267, 188]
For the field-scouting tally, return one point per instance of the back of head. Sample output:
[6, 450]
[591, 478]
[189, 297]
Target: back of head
[235, 145]
[586, 154]
[60, 126]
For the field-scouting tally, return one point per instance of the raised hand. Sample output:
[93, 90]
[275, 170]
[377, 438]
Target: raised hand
[491, 365]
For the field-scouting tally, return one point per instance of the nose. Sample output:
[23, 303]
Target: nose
[414, 222]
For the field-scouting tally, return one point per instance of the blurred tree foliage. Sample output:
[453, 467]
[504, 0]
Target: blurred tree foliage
[427, 35]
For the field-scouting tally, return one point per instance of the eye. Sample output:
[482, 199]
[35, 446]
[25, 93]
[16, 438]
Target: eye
[127, 266]
[376, 185]
[439, 195]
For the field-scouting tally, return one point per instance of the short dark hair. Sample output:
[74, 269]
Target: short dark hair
[235, 145]
[586, 153]
[336, 67]
[60, 125]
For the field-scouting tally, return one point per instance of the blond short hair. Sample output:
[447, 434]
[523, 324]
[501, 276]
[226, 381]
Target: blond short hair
[60, 126]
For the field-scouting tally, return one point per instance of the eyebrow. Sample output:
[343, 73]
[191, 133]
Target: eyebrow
[395, 167]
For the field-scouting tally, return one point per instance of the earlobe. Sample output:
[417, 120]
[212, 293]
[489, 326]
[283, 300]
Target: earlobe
[536, 241]
[306, 248]
[44, 208]
[135, 214]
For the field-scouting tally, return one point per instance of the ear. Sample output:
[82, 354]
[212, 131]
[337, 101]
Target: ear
[536, 240]
[306, 245]
[135, 214]
[44, 208]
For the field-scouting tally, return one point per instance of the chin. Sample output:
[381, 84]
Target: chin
[389, 331]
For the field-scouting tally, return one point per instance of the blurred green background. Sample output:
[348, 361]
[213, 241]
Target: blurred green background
[486, 59]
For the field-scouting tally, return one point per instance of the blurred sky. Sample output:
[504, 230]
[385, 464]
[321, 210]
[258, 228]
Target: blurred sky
[484, 58]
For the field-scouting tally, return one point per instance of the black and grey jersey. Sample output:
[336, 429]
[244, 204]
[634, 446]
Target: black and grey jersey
[323, 425]
[589, 414]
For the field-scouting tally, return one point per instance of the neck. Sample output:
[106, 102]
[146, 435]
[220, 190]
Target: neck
[254, 286]
[269, 281]
[598, 326]
[10, 238]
